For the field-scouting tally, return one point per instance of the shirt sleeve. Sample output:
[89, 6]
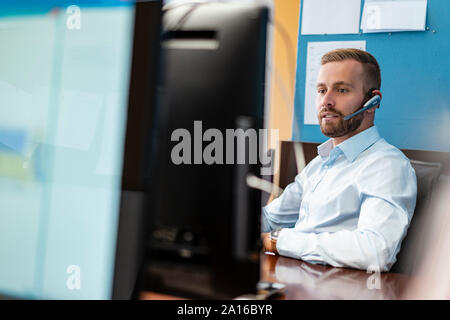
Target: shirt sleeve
[388, 191]
[283, 211]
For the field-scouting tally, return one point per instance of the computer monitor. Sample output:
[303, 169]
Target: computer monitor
[204, 232]
[77, 91]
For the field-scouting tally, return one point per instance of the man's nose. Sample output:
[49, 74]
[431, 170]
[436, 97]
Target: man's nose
[328, 99]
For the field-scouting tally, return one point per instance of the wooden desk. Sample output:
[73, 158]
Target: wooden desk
[305, 281]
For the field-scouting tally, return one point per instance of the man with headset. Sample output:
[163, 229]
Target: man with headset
[351, 206]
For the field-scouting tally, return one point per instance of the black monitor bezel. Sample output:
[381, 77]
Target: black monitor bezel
[137, 161]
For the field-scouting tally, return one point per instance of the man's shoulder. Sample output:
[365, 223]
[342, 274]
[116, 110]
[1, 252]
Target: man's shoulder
[383, 149]
[386, 168]
[385, 157]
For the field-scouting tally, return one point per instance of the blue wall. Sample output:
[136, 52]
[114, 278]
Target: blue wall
[415, 110]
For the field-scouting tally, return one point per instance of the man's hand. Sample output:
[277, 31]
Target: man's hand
[268, 245]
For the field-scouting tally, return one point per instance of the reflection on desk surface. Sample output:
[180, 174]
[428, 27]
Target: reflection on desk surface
[308, 281]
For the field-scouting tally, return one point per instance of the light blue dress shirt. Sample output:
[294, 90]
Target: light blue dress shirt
[351, 206]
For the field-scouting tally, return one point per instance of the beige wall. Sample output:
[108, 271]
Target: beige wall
[283, 64]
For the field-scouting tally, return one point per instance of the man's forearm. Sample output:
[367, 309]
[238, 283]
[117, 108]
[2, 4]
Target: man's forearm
[354, 249]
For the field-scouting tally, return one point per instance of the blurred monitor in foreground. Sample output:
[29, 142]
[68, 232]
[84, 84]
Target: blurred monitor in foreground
[204, 232]
[73, 139]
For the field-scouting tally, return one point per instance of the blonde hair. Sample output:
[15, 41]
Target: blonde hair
[370, 64]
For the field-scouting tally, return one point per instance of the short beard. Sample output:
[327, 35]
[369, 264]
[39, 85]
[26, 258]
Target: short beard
[343, 127]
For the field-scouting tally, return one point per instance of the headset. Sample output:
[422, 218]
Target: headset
[373, 102]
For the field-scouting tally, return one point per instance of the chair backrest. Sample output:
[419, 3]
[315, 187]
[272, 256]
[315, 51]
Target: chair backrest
[414, 244]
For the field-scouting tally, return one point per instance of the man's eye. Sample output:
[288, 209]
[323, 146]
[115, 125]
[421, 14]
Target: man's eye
[321, 91]
[342, 90]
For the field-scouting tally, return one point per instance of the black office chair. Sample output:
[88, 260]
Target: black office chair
[414, 244]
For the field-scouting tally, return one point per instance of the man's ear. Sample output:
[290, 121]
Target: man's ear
[377, 92]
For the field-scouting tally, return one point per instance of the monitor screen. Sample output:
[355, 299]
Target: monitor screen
[64, 81]
[204, 233]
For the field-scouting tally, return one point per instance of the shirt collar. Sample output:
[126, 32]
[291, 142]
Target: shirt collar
[353, 146]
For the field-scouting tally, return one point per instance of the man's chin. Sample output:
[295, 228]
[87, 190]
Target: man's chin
[341, 129]
[331, 133]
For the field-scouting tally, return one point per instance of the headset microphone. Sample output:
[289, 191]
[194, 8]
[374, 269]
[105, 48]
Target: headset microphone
[373, 102]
